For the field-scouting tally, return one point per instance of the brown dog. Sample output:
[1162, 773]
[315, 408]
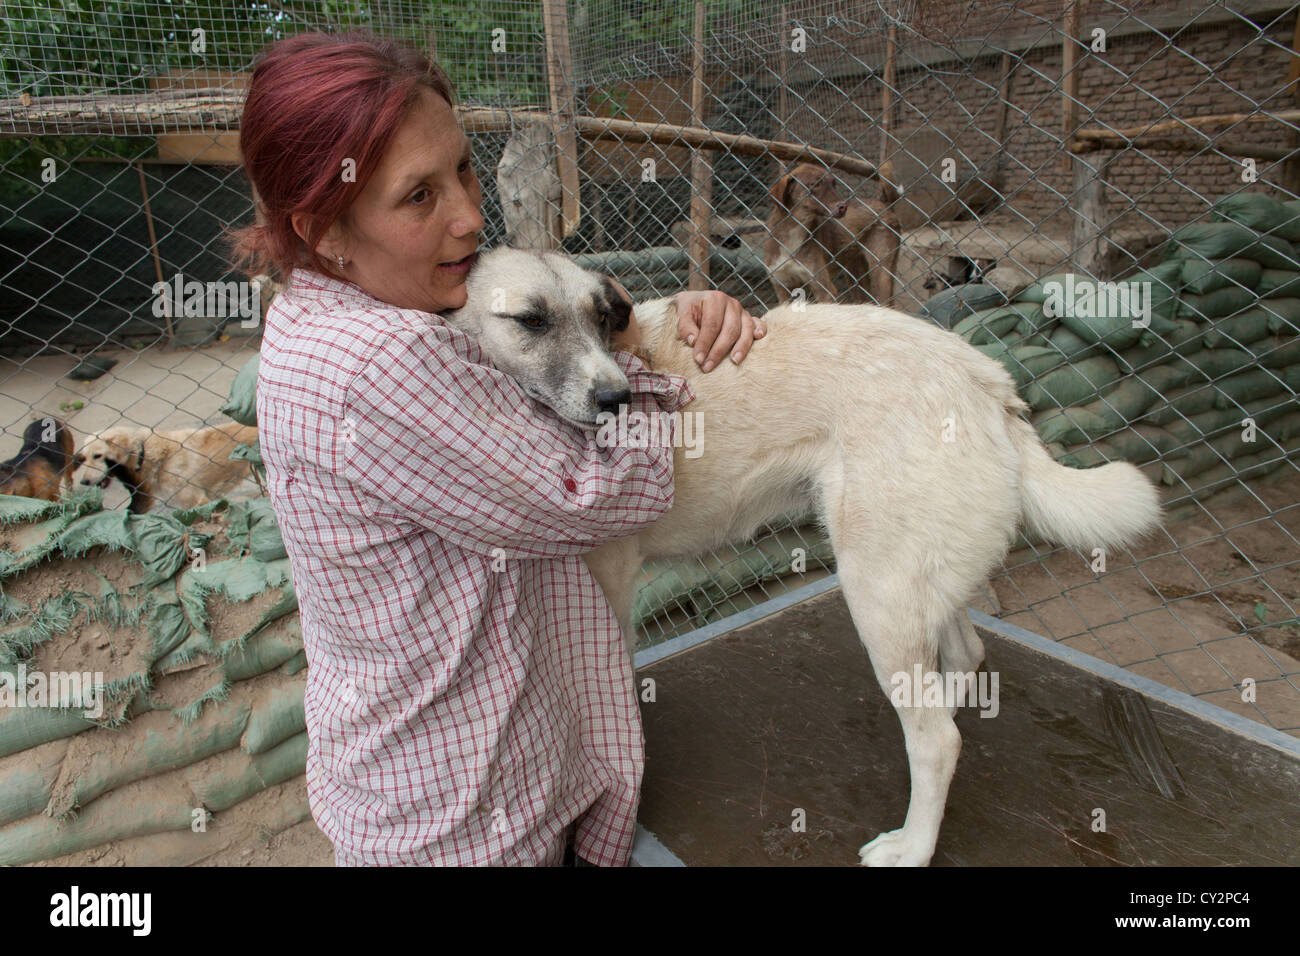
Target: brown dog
[43, 466]
[813, 233]
[182, 467]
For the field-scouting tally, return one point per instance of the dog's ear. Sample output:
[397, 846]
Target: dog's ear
[615, 303]
[781, 189]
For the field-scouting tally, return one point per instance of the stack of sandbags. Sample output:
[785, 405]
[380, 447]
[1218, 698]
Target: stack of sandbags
[190, 618]
[1220, 345]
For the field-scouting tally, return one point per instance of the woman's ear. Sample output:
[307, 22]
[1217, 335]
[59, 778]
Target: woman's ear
[332, 244]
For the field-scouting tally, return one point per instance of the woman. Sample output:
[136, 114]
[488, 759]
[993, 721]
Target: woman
[468, 697]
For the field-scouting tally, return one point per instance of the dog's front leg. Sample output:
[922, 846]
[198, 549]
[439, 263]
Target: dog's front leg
[615, 566]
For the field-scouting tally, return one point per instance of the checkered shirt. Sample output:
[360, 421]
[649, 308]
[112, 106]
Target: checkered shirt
[468, 693]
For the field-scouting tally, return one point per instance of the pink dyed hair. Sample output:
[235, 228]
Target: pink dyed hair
[315, 100]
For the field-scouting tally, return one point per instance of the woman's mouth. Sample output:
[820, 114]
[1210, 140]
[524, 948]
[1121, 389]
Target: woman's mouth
[461, 266]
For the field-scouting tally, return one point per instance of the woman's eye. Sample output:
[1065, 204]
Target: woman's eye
[465, 167]
[419, 196]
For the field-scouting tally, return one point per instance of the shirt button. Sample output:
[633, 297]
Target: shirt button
[570, 485]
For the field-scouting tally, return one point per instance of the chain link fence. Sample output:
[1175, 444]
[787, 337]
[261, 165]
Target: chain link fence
[982, 164]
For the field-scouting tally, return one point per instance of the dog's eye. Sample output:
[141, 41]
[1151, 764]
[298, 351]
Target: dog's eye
[532, 321]
[96, 456]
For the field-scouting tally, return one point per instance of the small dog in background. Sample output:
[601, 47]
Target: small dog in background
[813, 234]
[181, 467]
[43, 466]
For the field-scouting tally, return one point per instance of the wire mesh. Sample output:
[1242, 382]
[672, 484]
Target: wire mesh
[1027, 140]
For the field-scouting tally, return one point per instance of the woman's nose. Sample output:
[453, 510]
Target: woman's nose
[468, 217]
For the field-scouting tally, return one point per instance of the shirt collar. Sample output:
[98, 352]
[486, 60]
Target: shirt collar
[309, 284]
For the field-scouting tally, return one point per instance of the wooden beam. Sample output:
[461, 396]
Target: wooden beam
[783, 68]
[887, 94]
[1069, 76]
[1270, 153]
[701, 165]
[1134, 133]
[559, 74]
[191, 110]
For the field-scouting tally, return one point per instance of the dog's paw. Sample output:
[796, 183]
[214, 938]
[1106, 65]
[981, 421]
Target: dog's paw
[891, 849]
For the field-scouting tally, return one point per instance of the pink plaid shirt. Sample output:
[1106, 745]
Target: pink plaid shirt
[468, 693]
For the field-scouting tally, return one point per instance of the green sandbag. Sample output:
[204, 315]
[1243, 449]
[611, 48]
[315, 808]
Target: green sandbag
[24, 727]
[1114, 409]
[1215, 451]
[27, 779]
[115, 816]
[1025, 363]
[1243, 387]
[1215, 363]
[1277, 351]
[220, 783]
[274, 645]
[242, 404]
[1166, 280]
[1140, 444]
[1275, 283]
[1037, 291]
[1240, 329]
[1230, 240]
[1256, 210]
[1214, 423]
[952, 305]
[29, 544]
[1071, 426]
[1200, 276]
[176, 745]
[1285, 312]
[1215, 305]
[1186, 338]
[1071, 346]
[1073, 384]
[279, 713]
[238, 581]
[1290, 229]
[252, 527]
[986, 325]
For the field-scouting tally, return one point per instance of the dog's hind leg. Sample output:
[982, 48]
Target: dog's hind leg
[900, 632]
[960, 647]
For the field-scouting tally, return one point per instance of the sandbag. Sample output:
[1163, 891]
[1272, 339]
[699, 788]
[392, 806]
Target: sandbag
[1256, 210]
[1073, 347]
[242, 403]
[1275, 283]
[276, 644]
[220, 783]
[1240, 329]
[252, 527]
[172, 746]
[987, 325]
[1186, 338]
[1118, 405]
[1285, 312]
[1025, 363]
[1290, 228]
[954, 304]
[1230, 240]
[1072, 384]
[27, 779]
[1277, 351]
[1215, 305]
[1200, 276]
[278, 714]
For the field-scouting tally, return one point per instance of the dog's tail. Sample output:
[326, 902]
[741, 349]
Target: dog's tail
[890, 189]
[1106, 507]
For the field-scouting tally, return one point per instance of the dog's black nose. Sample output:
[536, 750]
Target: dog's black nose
[608, 399]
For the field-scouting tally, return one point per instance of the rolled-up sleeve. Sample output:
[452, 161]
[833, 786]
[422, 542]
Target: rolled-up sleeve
[458, 448]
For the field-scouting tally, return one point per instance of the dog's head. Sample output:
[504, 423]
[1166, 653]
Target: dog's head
[809, 194]
[113, 453]
[547, 323]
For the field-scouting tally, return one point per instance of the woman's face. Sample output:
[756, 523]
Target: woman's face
[418, 214]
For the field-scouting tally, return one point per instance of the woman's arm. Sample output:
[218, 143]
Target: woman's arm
[716, 324]
[458, 448]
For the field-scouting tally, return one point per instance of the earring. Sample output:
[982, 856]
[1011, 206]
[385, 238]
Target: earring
[340, 261]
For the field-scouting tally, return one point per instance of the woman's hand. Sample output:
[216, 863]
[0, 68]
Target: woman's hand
[715, 324]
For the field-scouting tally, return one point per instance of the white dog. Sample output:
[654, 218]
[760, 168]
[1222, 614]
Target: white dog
[906, 441]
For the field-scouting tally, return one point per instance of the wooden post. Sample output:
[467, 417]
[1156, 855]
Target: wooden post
[1069, 78]
[559, 73]
[1008, 66]
[1290, 179]
[701, 167]
[783, 65]
[1089, 242]
[157, 260]
[887, 95]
